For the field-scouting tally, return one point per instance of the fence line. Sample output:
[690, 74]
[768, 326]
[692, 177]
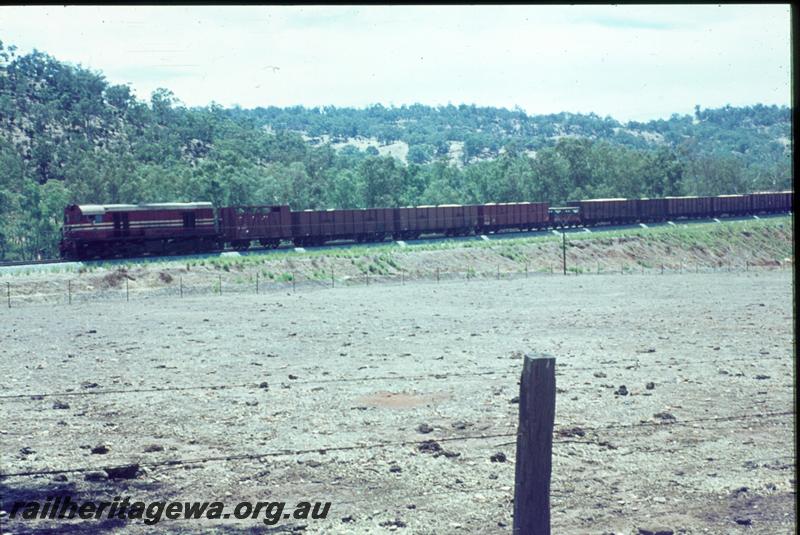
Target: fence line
[377, 445]
[497, 373]
[252, 283]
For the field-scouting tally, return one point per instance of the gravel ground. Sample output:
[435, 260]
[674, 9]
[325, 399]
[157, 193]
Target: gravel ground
[706, 447]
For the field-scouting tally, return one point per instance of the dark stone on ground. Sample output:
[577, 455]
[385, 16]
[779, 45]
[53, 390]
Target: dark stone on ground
[429, 446]
[571, 432]
[656, 531]
[498, 457]
[95, 476]
[129, 471]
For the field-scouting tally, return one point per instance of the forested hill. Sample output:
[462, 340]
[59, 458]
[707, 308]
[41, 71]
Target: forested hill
[67, 135]
[758, 133]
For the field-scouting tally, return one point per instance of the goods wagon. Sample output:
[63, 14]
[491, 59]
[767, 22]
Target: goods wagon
[109, 230]
[457, 220]
[487, 217]
[425, 220]
[404, 223]
[493, 217]
[536, 215]
[564, 216]
[689, 207]
[304, 225]
[652, 209]
[787, 201]
[731, 205]
[600, 211]
[375, 224]
[240, 225]
[771, 202]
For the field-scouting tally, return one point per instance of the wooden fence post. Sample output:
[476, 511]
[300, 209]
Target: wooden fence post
[537, 404]
[180, 281]
[220, 284]
[127, 293]
[8, 293]
[256, 282]
[69, 291]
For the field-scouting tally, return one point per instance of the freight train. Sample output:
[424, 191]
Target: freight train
[125, 230]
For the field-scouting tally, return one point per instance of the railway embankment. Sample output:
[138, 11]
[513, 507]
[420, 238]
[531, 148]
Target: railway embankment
[730, 245]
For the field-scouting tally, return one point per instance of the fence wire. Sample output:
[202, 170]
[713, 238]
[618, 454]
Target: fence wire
[120, 288]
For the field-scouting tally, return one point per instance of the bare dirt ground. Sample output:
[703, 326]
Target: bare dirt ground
[351, 377]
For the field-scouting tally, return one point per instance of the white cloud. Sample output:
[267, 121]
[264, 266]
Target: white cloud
[630, 62]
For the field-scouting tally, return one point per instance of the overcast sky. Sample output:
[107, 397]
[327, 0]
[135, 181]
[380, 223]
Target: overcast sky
[629, 62]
